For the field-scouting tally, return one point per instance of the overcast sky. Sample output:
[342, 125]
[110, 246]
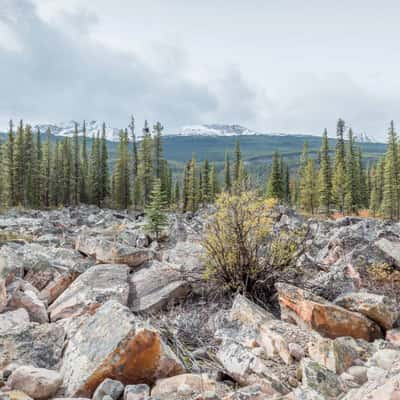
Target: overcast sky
[273, 66]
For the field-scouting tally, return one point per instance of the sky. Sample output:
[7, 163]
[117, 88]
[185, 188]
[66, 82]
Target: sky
[272, 66]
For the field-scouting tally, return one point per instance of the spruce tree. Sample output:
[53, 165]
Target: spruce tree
[104, 189]
[237, 161]
[206, 184]
[19, 165]
[145, 167]
[214, 187]
[8, 169]
[84, 168]
[351, 195]
[75, 179]
[193, 187]
[156, 218]
[324, 176]
[308, 188]
[390, 202]
[275, 181]
[339, 171]
[45, 168]
[157, 149]
[122, 173]
[227, 173]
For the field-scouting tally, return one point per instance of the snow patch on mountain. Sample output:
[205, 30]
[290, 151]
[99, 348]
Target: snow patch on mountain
[216, 130]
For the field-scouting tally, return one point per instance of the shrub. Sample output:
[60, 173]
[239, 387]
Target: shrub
[242, 254]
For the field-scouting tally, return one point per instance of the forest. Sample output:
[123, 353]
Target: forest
[37, 173]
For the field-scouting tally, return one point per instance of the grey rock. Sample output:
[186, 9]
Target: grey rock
[109, 387]
[13, 319]
[137, 392]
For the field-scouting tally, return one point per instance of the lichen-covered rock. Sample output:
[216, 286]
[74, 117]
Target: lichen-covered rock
[309, 310]
[15, 395]
[377, 307]
[129, 352]
[155, 286]
[390, 248]
[91, 289]
[385, 358]
[276, 336]
[23, 295]
[393, 336]
[109, 387]
[137, 392]
[13, 319]
[336, 355]
[197, 383]
[57, 286]
[107, 251]
[252, 392]
[38, 383]
[32, 344]
[3, 295]
[248, 313]
[321, 379]
[247, 369]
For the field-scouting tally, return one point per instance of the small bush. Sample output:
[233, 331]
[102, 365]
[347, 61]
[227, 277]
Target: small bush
[241, 253]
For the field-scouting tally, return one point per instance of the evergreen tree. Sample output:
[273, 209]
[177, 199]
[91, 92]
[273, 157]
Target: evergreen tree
[177, 194]
[186, 187]
[238, 158]
[156, 219]
[374, 203]
[19, 166]
[134, 148]
[339, 171]
[75, 179]
[158, 151]
[104, 189]
[145, 167]
[227, 173]
[351, 195]
[308, 188]
[214, 187]
[31, 169]
[275, 181]
[84, 168]
[206, 183]
[94, 171]
[390, 202]
[45, 169]
[324, 176]
[122, 174]
[193, 187]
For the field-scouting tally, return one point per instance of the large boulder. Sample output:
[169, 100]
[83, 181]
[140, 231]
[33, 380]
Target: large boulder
[109, 387]
[312, 311]
[32, 344]
[91, 289]
[109, 251]
[130, 352]
[38, 383]
[377, 307]
[23, 295]
[390, 248]
[13, 319]
[155, 286]
[57, 286]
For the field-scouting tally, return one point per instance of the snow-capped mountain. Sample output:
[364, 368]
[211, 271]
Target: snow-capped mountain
[215, 130]
[68, 128]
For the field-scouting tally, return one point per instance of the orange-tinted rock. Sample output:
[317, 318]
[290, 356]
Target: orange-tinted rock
[306, 309]
[114, 343]
[55, 288]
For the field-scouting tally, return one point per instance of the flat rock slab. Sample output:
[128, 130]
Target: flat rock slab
[91, 289]
[155, 286]
[113, 343]
[110, 252]
[32, 344]
[307, 309]
[13, 319]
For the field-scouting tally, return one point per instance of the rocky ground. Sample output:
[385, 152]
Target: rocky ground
[91, 307]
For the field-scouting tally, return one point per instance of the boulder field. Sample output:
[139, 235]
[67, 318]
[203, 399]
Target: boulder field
[91, 307]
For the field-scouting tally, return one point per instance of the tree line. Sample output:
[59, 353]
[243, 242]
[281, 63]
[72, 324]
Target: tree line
[47, 174]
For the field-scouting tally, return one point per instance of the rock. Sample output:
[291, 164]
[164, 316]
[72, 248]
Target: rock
[246, 368]
[387, 389]
[248, 313]
[130, 352]
[109, 387]
[24, 295]
[155, 286]
[16, 395]
[275, 336]
[191, 383]
[393, 336]
[110, 252]
[57, 286]
[32, 344]
[391, 249]
[137, 392]
[303, 394]
[385, 358]
[3, 295]
[38, 383]
[359, 373]
[377, 307]
[296, 351]
[309, 310]
[91, 289]
[13, 319]
[375, 374]
[336, 355]
[321, 379]
[252, 392]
